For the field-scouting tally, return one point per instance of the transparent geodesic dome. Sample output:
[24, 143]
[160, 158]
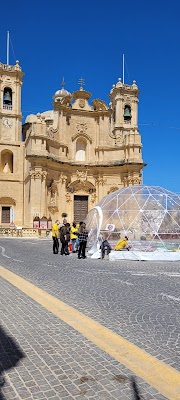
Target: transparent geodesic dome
[148, 215]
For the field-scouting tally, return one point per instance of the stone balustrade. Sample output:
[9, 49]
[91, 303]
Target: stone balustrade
[25, 232]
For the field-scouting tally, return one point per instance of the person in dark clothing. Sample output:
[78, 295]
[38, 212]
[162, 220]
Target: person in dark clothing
[65, 239]
[55, 237]
[105, 248]
[82, 236]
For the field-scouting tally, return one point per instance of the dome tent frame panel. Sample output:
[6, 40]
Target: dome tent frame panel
[148, 215]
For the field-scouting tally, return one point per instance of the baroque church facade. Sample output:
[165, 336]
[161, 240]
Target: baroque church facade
[63, 161]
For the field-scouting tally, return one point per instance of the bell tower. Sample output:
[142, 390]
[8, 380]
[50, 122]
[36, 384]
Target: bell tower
[124, 104]
[10, 102]
[11, 146]
[124, 130]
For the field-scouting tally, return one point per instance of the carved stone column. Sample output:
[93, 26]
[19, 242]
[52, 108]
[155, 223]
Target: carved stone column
[119, 112]
[35, 192]
[135, 112]
[100, 181]
[62, 194]
[43, 194]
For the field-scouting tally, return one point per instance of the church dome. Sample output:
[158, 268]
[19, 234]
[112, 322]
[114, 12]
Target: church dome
[60, 94]
[30, 119]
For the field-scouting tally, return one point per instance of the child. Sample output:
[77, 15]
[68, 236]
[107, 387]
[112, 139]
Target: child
[105, 248]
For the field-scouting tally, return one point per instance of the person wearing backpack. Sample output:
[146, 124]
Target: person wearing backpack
[65, 238]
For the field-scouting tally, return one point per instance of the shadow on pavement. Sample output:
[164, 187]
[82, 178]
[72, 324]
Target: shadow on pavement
[136, 394]
[10, 354]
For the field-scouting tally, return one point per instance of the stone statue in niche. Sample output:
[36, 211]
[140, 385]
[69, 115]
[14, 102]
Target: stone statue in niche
[53, 192]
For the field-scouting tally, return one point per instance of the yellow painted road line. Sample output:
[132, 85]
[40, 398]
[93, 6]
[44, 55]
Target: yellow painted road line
[165, 379]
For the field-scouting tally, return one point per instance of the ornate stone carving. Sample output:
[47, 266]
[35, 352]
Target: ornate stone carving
[52, 209]
[119, 138]
[68, 197]
[62, 178]
[50, 133]
[81, 177]
[93, 198]
[52, 197]
[137, 181]
[81, 127]
[130, 180]
[53, 192]
[82, 103]
[100, 180]
[37, 174]
[99, 105]
[32, 174]
[113, 189]
[44, 174]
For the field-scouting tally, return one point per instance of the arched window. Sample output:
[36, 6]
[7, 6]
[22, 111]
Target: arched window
[127, 113]
[7, 161]
[80, 150]
[7, 96]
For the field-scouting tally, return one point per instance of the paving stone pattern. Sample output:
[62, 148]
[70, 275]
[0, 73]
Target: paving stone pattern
[56, 361]
[138, 300]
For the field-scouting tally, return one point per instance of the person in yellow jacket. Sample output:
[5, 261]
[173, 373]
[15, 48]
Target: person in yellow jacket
[122, 244]
[55, 229]
[74, 235]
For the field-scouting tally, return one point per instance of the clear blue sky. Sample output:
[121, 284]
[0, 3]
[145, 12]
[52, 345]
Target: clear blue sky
[78, 38]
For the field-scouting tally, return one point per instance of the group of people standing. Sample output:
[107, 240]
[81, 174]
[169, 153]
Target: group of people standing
[76, 233]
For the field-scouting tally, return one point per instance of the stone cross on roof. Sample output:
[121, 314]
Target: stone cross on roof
[81, 82]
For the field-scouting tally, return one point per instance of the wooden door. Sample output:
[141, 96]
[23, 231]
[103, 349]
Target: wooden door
[5, 215]
[80, 208]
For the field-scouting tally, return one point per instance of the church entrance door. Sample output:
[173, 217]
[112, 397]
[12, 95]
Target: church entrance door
[80, 208]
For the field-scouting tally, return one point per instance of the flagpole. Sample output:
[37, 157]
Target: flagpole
[123, 68]
[7, 47]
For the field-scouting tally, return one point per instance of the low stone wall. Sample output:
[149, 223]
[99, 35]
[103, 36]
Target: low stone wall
[25, 232]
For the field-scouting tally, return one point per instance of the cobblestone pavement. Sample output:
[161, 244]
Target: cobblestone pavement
[138, 300]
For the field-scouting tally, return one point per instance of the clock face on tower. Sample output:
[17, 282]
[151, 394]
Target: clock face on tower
[7, 122]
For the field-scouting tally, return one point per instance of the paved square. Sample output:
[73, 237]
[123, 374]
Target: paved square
[139, 301]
